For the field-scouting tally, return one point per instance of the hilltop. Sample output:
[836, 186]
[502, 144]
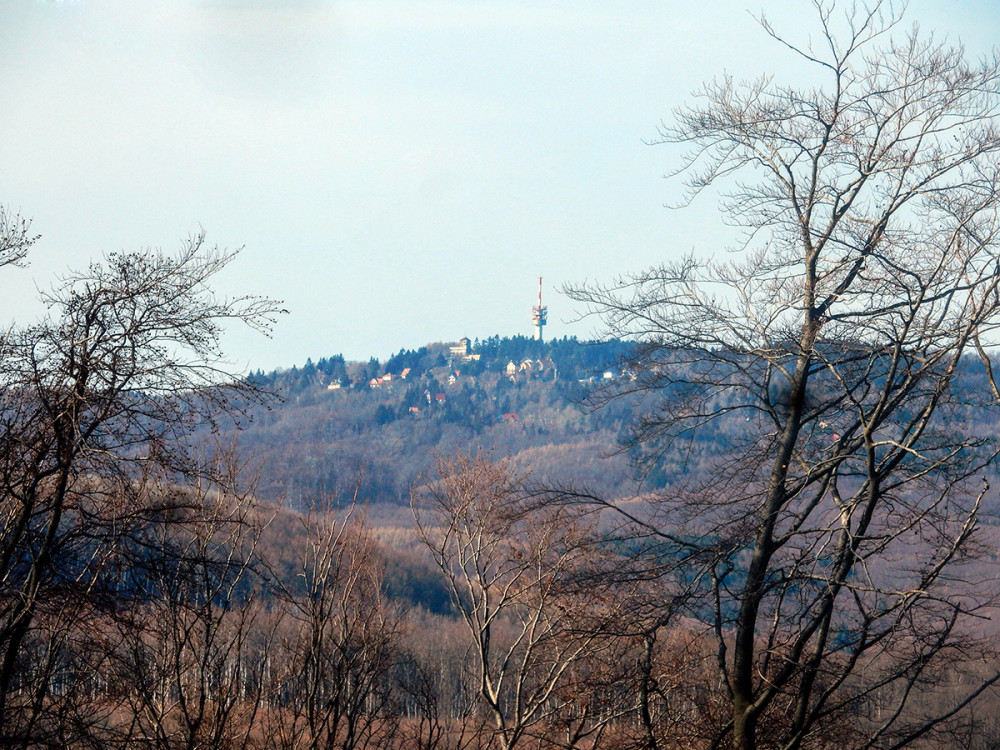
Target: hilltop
[336, 421]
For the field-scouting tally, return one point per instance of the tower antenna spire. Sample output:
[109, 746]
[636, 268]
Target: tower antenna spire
[539, 313]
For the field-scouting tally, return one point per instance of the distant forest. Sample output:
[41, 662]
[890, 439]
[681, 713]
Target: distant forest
[335, 421]
[563, 411]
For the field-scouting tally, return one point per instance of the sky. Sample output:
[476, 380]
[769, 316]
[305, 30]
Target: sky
[398, 172]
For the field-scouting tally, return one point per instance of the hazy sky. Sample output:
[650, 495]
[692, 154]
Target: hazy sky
[398, 171]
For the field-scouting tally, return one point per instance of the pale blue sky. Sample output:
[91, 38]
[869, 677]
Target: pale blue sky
[399, 171]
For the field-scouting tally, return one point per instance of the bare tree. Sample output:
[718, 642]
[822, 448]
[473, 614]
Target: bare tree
[521, 572]
[189, 651]
[16, 238]
[94, 401]
[439, 691]
[817, 374]
[332, 668]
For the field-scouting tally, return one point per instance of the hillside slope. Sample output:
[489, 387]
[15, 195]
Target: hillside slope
[337, 421]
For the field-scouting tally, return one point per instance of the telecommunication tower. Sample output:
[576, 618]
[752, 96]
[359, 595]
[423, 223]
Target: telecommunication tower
[539, 313]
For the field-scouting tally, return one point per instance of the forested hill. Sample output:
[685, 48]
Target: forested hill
[513, 397]
[336, 422]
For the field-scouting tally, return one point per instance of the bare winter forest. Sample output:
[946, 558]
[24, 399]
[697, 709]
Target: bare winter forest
[759, 514]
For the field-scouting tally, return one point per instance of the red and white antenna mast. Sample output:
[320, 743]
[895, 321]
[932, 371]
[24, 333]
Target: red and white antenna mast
[539, 313]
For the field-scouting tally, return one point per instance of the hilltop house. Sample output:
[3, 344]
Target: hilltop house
[461, 350]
